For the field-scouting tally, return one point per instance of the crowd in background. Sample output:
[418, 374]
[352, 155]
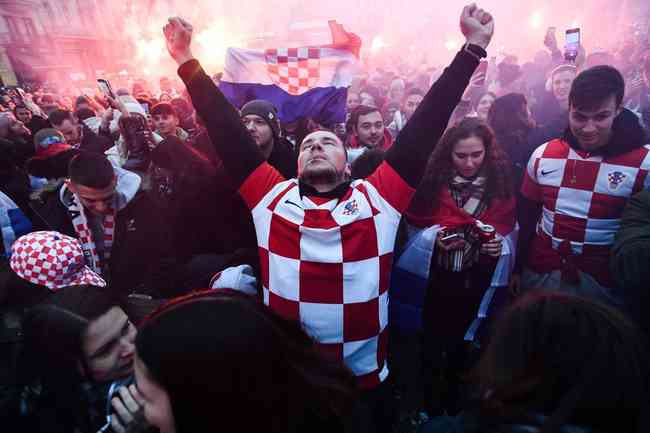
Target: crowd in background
[172, 262]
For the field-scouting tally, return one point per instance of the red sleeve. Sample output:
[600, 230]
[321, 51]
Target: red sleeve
[391, 187]
[259, 183]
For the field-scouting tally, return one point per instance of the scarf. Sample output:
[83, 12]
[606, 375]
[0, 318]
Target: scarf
[468, 195]
[85, 235]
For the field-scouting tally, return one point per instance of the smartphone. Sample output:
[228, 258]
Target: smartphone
[448, 238]
[481, 72]
[145, 107]
[105, 87]
[572, 40]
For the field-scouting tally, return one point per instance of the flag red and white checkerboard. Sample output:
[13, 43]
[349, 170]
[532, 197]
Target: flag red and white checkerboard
[295, 70]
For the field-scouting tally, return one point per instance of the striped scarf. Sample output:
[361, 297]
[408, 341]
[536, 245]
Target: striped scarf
[84, 233]
[468, 194]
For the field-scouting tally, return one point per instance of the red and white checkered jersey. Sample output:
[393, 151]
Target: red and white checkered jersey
[326, 262]
[583, 195]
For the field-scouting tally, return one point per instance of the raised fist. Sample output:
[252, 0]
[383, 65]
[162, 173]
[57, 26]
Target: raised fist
[178, 36]
[477, 25]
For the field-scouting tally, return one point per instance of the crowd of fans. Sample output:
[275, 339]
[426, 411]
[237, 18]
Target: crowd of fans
[467, 253]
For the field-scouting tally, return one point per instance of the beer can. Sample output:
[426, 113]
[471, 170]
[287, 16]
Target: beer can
[486, 232]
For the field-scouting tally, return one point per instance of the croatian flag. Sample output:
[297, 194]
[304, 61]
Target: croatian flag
[301, 82]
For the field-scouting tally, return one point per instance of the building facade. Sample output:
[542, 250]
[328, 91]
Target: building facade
[59, 40]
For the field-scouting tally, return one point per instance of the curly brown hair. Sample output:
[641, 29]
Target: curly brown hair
[440, 168]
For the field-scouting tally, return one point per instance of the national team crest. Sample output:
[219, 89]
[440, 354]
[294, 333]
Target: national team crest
[351, 208]
[615, 179]
[295, 70]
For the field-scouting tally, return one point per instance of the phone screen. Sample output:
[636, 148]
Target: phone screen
[572, 39]
[105, 87]
[145, 107]
[449, 238]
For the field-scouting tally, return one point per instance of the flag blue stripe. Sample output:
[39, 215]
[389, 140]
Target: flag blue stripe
[326, 105]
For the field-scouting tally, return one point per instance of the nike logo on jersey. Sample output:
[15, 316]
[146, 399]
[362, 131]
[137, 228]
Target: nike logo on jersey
[544, 173]
[295, 204]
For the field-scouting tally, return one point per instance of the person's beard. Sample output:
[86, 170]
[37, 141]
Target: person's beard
[324, 175]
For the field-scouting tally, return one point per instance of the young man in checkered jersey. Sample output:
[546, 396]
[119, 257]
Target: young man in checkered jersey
[325, 243]
[575, 190]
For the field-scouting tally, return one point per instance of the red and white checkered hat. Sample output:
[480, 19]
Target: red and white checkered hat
[53, 260]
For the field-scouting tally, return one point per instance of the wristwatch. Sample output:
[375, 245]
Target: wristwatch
[475, 51]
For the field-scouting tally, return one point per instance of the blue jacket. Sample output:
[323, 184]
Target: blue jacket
[13, 223]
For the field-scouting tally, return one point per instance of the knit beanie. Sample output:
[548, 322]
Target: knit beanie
[52, 155]
[47, 137]
[266, 111]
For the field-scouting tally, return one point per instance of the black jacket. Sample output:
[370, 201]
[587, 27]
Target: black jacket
[37, 123]
[631, 256]
[92, 142]
[142, 256]
[284, 159]
[18, 147]
[547, 110]
[520, 146]
[203, 207]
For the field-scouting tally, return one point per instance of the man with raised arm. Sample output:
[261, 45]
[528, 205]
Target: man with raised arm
[326, 243]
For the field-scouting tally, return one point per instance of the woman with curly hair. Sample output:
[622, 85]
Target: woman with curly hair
[466, 187]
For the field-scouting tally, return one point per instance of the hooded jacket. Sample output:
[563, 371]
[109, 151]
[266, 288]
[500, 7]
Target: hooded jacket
[142, 256]
[92, 142]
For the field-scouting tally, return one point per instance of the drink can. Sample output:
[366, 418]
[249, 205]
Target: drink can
[486, 232]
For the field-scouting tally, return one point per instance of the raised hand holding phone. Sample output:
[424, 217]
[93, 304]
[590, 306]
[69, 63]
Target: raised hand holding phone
[572, 44]
[105, 87]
